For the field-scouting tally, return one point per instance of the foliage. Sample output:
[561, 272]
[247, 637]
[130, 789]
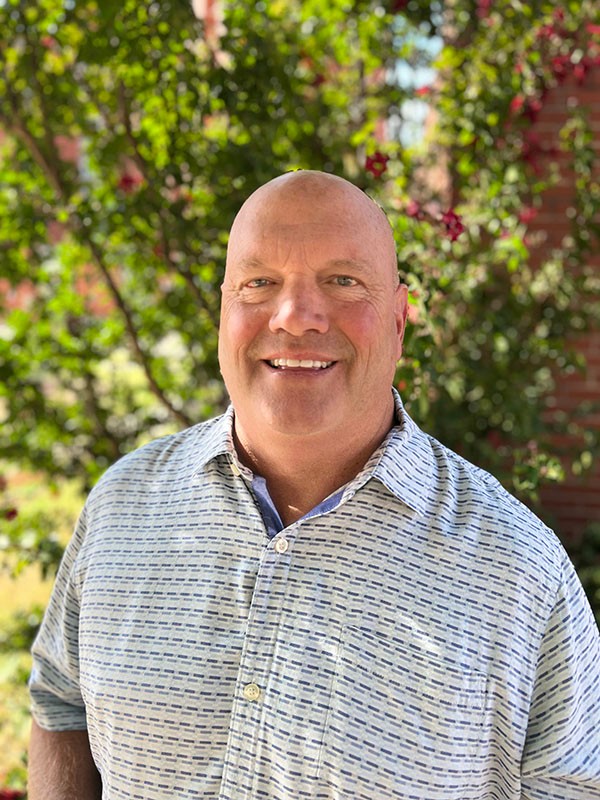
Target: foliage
[495, 322]
[133, 134]
[130, 133]
[586, 558]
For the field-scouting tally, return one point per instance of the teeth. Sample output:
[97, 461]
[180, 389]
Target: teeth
[304, 363]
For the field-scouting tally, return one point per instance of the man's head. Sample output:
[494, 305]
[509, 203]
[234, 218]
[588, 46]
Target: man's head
[312, 315]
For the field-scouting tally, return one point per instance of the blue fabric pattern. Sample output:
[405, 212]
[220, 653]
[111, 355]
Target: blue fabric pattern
[421, 637]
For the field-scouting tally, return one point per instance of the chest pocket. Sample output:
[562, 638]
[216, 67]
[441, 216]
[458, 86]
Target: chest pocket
[403, 722]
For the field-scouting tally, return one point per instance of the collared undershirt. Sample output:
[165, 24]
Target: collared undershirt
[259, 490]
[271, 517]
[269, 513]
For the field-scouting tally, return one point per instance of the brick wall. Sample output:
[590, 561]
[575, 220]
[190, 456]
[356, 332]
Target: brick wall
[572, 505]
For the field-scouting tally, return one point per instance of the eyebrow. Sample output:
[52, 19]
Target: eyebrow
[350, 263]
[253, 262]
[250, 263]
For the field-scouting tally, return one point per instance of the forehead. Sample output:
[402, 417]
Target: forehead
[316, 220]
[315, 246]
[284, 228]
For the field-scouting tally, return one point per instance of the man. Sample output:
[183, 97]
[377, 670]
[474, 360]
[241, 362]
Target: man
[308, 597]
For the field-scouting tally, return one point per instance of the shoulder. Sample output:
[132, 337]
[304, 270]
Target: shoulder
[474, 502]
[167, 460]
[464, 510]
[452, 474]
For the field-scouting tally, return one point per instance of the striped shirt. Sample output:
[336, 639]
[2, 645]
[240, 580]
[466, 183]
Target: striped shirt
[422, 637]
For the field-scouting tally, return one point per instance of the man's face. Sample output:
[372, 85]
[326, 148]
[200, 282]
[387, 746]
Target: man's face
[312, 317]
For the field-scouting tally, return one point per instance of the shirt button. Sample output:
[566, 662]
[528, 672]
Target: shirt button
[235, 469]
[251, 692]
[281, 545]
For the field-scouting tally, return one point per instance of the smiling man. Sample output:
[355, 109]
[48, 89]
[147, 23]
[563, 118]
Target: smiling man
[308, 597]
[312, 321]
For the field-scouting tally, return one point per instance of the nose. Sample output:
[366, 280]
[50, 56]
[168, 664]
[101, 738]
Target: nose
[299, 308]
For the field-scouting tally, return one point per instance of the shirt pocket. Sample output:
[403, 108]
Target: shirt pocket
[403, 722]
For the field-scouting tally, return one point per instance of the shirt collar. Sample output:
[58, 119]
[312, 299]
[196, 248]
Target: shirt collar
[217, 440]
[402, 463]
[405, 465]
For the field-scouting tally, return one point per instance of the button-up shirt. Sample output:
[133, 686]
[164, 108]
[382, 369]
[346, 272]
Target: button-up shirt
[423, 636]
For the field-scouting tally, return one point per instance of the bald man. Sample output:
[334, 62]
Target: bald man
[308, 597]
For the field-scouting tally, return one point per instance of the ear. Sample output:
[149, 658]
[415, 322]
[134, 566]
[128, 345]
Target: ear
[401, 312]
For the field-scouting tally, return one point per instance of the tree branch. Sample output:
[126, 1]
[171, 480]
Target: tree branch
[94, 411]
[141, 164]
[17, 126]
[131, 330]
[19, 129]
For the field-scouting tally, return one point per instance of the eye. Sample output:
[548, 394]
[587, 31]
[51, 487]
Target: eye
[257, 283]
[345, 280]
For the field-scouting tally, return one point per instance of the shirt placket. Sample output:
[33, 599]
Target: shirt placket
[251, 702]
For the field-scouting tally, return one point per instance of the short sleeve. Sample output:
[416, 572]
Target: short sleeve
[56, 701]
[561, 758]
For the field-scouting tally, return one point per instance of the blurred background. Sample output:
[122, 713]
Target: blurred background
[130, 134]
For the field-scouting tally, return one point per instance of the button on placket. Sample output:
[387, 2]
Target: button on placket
[251, 692]
[281, 545]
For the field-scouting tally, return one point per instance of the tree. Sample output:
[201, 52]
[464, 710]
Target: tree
[132, 135]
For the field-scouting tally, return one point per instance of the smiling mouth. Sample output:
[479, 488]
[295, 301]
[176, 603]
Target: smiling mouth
[296, 363]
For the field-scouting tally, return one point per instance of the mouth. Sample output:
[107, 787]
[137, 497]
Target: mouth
[297, 363]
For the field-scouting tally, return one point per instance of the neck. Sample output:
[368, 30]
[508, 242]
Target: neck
[301, 471]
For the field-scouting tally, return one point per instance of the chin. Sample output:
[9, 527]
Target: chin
[299, 421]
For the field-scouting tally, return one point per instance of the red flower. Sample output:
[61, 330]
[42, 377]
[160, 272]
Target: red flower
[131, 177]
[128, 183]
[413, 209]
[423, 91]
[593, 29]
[377, 164]
[495, 439]
[68, 148]
[560, 65]
[9, 514]
[56, 231]
[517, 103]
[527, 215]
[532, 109]
[546, 32]
[398, 5]
[483, 8]
[453, 223]
[532, 151]
[579, 72]
[11, 794]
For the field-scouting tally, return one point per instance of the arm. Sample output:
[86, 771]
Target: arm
[561, 758]
[61, 766]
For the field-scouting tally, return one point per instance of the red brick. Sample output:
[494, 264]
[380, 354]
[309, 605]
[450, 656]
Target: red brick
[576, 502]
